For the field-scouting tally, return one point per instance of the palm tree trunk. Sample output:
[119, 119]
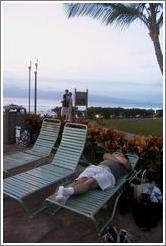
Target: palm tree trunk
[154, 34]
[158, 52]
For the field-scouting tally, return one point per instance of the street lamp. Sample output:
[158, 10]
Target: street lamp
[29, 68]
[35, 96]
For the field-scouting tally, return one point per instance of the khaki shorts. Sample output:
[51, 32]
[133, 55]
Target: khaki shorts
[105, 179]
[64, 111]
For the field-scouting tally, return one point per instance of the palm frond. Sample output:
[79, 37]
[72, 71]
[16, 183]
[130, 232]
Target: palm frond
[84, 9]
[108, 13]
[160, 21]
[114, 13]
[160, 15]
[121, 14]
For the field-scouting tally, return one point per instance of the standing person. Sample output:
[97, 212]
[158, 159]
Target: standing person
[65, 105]
[69, 118]
[103, 176]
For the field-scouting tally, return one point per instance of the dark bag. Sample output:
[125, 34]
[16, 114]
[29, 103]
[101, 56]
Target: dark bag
[146, 213]
[146, 204]
[126, 200]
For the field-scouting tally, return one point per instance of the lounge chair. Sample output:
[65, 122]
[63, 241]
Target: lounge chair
[41, 150]
[92, 203]
[61, 168]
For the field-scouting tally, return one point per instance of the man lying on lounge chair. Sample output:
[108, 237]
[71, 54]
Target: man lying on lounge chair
[104, 175]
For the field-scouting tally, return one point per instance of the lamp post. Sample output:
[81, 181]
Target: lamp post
[29, 68]
[35, 96]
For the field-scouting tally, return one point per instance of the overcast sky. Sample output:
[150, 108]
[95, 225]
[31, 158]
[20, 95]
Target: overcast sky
[77, 53]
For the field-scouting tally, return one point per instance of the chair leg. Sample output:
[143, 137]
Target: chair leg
[27, 210]
[106, 225]
[53, 209]
[31, 212]
[37, 211]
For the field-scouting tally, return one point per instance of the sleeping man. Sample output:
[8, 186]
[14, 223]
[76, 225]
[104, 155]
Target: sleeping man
[103, 176]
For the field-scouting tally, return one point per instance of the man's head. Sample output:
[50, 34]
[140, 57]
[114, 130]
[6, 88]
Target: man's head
[119, 156]
[122, 158]
[66, 91]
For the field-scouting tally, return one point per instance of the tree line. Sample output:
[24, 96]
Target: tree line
[119, 112]
[107, 113]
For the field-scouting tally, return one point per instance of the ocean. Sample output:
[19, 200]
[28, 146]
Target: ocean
[45, 106]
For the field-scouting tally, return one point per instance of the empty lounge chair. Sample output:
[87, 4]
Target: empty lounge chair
[62, 167]
[41, 150]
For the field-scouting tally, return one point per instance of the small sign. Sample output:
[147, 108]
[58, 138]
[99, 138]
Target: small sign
[81, 98]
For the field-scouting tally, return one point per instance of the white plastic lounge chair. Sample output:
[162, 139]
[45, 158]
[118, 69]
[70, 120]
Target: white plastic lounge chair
[91, 204]
[41, 150]
[61, 168]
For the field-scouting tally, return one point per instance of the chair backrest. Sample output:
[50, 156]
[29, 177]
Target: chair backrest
[71, 146]
[48, 135]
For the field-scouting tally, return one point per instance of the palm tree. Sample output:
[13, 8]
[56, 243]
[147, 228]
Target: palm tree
[151, 14]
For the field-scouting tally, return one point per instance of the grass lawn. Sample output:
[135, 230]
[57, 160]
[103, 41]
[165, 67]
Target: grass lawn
[145, 126]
